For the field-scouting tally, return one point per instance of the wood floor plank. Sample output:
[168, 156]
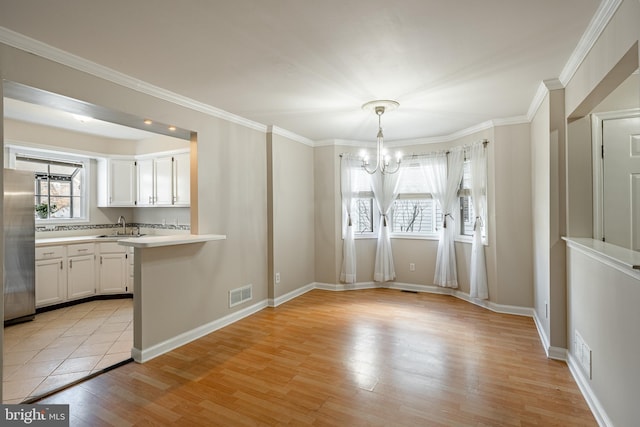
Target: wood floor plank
[371, 357]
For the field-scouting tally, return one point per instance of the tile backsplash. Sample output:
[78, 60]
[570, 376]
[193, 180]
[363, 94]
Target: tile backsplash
[107, 228]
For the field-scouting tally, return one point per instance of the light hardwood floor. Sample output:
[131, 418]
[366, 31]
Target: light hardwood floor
[370, 357]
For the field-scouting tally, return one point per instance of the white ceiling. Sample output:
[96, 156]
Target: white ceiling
[308, 66]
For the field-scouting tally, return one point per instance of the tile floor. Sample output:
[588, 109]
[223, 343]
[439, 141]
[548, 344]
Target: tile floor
[64, 345]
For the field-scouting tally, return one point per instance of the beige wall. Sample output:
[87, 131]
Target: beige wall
[603, 308]
[511, 219]
[508, 253]
[231, 200]
[601, 300]
[540, 182]
[293, 215]
[328, 242]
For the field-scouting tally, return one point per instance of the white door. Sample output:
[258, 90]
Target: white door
[621, 182]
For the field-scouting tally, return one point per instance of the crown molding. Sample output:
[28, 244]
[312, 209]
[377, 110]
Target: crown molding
[290, 135]
[54, 54]
[603, 15]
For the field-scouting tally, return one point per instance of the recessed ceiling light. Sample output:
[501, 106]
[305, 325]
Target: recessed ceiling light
[172, 128]
[148, 122]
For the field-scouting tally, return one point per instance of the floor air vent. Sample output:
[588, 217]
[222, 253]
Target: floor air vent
[240, 295]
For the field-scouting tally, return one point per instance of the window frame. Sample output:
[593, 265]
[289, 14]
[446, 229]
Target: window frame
[459, 237]
[59, 156]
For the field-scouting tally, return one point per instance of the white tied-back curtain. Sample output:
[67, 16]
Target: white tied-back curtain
[443, 172]
[349, 166]
[385, 191]
[478, 167]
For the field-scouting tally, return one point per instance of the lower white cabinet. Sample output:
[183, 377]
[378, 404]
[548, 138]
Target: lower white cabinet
[113, 273]
[51, 275]
[81, 270]
[68, 272]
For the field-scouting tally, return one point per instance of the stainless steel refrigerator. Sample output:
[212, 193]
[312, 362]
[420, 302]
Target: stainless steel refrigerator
[19, 246]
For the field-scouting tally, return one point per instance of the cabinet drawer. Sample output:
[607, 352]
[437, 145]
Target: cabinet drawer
[112, 248]
[80, 249]
[48, 252]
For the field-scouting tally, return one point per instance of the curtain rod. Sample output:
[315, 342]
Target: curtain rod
[464, 147]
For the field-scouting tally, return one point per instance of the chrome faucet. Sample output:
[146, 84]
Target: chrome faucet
[121, 221]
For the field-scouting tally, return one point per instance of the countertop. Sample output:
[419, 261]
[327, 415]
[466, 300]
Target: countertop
[145, 241]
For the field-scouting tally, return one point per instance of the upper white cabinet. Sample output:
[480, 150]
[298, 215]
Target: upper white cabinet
[117, 182]
[181, 179]
[164, 180]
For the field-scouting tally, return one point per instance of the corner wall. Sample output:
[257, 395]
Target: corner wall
[291, 216]
[601, 299]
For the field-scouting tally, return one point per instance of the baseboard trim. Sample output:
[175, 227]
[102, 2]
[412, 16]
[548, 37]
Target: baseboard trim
[154, 351]
[541, 333]
[274, 302]
[583, 384]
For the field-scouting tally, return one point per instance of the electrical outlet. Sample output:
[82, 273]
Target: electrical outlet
[412, 267]
[277, 277]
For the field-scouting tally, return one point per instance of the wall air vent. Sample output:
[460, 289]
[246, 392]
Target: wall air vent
[240, 295]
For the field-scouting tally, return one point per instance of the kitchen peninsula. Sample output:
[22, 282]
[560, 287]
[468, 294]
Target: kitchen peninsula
[165, 307]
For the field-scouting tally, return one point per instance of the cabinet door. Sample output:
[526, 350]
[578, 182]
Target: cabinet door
[181, 179]
[122, 183]
[51, 282]
[146, 192]
[114, 270]
[81, 276]
[164, 180]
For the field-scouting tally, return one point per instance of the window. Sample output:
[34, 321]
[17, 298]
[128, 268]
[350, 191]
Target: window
[467, 216]
[59, 186]
[415, 212]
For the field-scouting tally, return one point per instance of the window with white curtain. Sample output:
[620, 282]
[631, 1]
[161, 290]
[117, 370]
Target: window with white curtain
[467, 214]
[414, 213]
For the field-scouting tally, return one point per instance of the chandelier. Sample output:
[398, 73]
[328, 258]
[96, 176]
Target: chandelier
[382, 158]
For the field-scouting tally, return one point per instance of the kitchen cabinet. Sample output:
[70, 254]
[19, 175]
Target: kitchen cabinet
[51, 275]
[113, 275]
[81, 270]
[117, 182]
[181, 179]
[164, 180]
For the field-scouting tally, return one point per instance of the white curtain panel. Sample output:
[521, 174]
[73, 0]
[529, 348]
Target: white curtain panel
[479, 287]
[385, 191]
[444, 172]
[348, 168]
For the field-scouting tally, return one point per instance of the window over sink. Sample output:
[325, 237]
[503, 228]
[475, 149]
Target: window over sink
[60, 183]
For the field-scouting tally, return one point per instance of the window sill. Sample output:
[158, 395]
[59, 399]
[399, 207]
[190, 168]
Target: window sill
[55, 222]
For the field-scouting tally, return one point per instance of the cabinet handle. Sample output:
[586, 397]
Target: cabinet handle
[47, 253]
[82, 250]
[100, 259]
[70, 263]
[61, 265]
